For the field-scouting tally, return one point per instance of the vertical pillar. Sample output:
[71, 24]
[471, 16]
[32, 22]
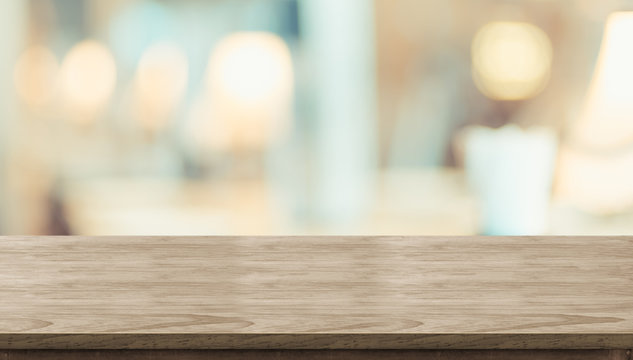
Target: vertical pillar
[12, 26]
[339, 43]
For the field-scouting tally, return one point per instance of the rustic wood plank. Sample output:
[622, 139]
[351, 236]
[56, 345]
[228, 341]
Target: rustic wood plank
[314, 355]
[316, 292]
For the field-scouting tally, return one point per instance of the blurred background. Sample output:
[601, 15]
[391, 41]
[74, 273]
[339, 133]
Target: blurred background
[288, 117]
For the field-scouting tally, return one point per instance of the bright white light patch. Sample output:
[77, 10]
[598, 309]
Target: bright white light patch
[250, 83]
[251, 67]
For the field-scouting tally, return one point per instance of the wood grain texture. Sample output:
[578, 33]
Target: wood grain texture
[314, 355]
[316, 292]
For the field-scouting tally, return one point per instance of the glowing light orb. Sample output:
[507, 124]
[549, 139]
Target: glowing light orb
[251, 67]
[161, 82]
[250, 80]
[511, 60]
[35, 76]
[88, 76]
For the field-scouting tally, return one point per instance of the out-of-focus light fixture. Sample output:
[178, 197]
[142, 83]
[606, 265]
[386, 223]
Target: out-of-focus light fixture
[511, 60]
[161, 81]
[88, 78]
[250, 81]
[35, 76]
[596, 163]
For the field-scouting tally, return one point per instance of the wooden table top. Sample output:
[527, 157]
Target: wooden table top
[316, 292]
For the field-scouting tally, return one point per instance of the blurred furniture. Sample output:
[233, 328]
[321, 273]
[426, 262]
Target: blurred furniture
[434, 201]
[405, 202]
[330, 297]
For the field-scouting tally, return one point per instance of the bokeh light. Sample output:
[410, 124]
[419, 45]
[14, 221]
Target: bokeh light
[511, 60]
[88, 77]
[250, 78]
[161, 82]
[252, 68]
[346, 117]
[35, 76]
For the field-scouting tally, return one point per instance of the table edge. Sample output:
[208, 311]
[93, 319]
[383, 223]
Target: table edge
[316, 341]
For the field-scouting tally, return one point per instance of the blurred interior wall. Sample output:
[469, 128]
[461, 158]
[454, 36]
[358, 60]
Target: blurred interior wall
[12, 19]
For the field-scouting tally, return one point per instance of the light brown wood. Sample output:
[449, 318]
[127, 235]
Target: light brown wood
[316, 292]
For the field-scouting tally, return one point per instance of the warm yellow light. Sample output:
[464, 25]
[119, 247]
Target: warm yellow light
[251, 67]
[250, 80]
[160, 83]
[88, 77]
[511, 60]
[596, 165]
[35, 75]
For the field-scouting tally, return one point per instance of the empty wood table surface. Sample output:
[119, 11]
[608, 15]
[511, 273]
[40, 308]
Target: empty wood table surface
[316, 297]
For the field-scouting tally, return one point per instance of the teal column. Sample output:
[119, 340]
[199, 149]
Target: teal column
[339, 48]
[12, 27]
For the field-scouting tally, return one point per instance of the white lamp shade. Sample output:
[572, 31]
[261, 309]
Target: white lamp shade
[596, 166]
[607, 118]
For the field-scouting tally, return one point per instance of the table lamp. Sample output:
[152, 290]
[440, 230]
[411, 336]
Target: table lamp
[596, 163]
